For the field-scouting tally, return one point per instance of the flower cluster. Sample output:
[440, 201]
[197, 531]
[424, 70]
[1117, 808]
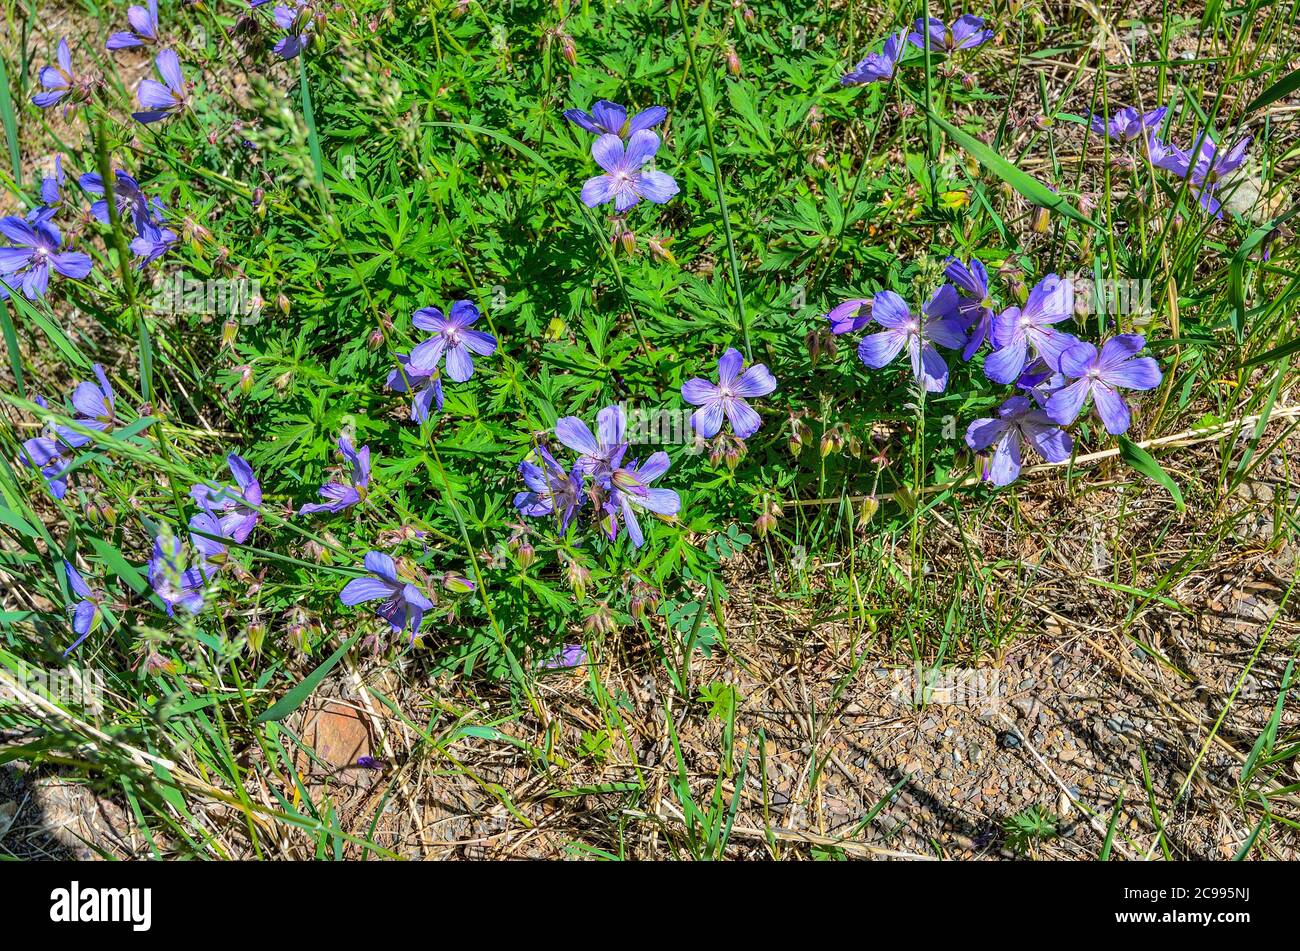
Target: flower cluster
[964, 33]
[94, 408]
[599, 473]
[1059, 371]
[1204, 166]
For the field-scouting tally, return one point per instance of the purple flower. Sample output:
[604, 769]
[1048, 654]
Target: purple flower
[59, 82]
[237, 507]
[876, 67]
[625, 182]
[975, 305]
[342, 495]
[144, 28]
[42, 453]
[1016, 330]
[127, 195]
[52, 186]
[95, 409]
[296, 21]
[35, 252]
[1209, 168]
[1102, 375]
[1162, 155]
[1018, 420]
[1128, 125]
[85, 614]
[609, 118]
[152, 242]
[850, 316]
[164, 99]
[941, 324]
[629, 491]
[208, 538]
[369, 762]
[403, 603]
[173, 582]
[966, 32]
[1040, 381]
[452, 336]
[571, 655]
[551, 490]
[599, 453]
[424, 382]
[728, 397]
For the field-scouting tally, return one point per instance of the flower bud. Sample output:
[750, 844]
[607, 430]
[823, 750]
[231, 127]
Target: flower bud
[256, 634]
[764, 524]
[1040, 220]
[734, 453]
[525, 553]
[568, 49]
[457, 583]
[733, 61]
[867, 511]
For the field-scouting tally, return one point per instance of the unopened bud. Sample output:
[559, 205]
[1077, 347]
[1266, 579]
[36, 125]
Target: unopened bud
[229, 330]
[256, 634]
[733, 61]
[1038, 224]
[568, 50]
[526, 554]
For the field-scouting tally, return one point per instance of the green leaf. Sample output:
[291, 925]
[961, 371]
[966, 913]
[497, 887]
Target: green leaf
[1142, 461]
[295, 698]
[1237, 269]
[1023, 182]
[1283, 87]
